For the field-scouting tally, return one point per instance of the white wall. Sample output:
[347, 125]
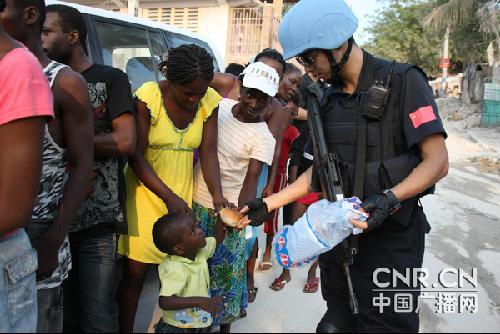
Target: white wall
[213, 23]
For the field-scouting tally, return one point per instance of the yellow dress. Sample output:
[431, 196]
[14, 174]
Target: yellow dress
[170, 154]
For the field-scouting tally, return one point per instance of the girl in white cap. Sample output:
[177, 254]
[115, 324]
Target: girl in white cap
[244, 145]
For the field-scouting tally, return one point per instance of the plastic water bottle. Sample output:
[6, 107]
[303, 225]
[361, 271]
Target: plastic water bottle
[331, 222]
[322, 227]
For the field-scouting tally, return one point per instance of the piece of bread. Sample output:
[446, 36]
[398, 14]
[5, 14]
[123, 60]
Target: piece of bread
[230, 217]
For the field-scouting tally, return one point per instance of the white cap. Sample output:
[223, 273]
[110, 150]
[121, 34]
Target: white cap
[262, 77]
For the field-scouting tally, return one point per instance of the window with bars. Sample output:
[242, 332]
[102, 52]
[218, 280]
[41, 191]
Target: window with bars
[245, 31]
[186, 18]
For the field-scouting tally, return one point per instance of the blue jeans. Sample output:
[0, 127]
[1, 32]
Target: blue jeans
[50, 310]
[89, 291]
[18, 305]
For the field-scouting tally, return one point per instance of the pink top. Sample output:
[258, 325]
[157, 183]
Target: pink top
[24, 89]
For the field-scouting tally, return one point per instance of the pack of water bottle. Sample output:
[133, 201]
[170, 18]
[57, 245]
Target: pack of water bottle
[324, 225]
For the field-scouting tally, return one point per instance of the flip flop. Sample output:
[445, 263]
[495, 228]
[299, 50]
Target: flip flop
[279, 284]
[265, 266]
[252, 294]
[311, 286]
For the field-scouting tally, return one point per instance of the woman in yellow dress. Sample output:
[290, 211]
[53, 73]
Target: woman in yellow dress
[174, 117]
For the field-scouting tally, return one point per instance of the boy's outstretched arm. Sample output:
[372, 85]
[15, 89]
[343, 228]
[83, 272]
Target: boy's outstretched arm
[220, 231]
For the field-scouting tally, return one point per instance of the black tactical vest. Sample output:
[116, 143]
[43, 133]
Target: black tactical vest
[388, 160]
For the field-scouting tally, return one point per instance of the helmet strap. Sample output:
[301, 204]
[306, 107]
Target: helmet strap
[337, 67]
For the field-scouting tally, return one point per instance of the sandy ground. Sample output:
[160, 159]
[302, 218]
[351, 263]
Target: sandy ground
[465, 217]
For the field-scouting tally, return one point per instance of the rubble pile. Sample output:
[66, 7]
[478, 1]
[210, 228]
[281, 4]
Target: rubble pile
[487, 164]
[457, 116]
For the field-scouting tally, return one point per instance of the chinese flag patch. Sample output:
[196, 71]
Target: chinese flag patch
[422, 115]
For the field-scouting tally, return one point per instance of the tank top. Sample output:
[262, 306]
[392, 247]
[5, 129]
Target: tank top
[50, 193]
[54, 173]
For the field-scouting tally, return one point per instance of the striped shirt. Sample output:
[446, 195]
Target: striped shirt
[238, 142]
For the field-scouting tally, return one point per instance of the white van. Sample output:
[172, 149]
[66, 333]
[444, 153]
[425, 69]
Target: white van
[132, 44]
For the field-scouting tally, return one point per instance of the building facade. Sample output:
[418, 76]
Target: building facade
[238, 28]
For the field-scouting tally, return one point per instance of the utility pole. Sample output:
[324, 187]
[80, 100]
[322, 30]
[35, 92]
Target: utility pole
[133, 7]
[446, 62]
[278, 13]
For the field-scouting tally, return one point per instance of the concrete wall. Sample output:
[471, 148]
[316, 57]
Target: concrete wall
[176, 3]
[213, 23]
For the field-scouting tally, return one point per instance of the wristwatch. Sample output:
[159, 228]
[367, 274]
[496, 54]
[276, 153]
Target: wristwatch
[394, 201]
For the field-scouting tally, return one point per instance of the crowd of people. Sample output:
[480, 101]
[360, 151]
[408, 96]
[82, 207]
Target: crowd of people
[99, 184]
[116, 163]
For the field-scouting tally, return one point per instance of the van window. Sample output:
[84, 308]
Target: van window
[128, 49]
[176, 40]
[159, 48]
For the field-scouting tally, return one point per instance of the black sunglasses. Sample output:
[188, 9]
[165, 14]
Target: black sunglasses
[307, 58]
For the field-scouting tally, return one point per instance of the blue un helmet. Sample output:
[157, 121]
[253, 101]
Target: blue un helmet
[316, 24]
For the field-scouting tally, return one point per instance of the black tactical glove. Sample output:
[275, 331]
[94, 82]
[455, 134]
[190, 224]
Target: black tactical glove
[380, 206]
[257, 212]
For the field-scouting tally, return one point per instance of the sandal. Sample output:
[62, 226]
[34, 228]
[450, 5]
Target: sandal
[265, 266]
[311, 286]
[252, 294]
[279, 284]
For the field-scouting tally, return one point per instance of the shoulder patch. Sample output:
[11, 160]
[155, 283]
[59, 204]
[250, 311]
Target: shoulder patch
[422, 115]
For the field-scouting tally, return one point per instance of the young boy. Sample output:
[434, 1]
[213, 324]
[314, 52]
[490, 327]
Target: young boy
[184, 277]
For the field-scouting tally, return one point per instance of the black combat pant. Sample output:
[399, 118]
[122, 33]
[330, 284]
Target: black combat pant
[394, 246]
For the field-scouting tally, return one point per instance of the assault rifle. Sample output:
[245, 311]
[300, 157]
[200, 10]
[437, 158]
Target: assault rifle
[327, 167]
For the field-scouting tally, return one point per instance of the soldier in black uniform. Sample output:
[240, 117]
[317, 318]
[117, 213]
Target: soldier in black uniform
[405, 156]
